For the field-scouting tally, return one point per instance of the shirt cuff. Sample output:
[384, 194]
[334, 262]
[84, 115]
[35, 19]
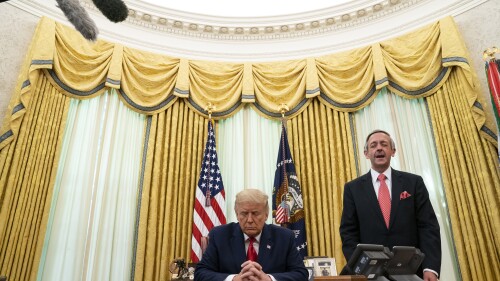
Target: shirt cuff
[428, 269]
[230, 277]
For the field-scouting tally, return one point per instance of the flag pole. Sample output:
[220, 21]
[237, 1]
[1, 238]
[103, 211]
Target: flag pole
[283, 109]
[493, 77]
[210, 108]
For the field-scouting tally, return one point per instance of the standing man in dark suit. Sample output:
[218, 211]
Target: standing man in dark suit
[251, 249]
[390, 208]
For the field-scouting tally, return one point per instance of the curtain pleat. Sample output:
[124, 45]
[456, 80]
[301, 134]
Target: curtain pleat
[414, 62]
[29, 169]
[346, 79]
[471, 178]
[146, 80]
[321, 144]
[174, 155]
[279, 83]
[217, 83]
[67, 62]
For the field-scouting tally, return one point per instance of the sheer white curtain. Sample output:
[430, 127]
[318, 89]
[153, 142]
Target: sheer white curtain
[247, 148]
[90, 232]
[409, 124]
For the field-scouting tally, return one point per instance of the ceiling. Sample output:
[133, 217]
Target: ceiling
[254, 8]
[259, 30]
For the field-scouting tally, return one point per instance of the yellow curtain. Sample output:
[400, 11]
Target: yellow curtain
[347, 79]
[319, 92]
[175, 145]
[471, 178]
[413, 65]
[321, 143]
[29, 165]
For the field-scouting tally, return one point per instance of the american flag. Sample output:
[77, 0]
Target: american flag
[288, 207]
[210, 201]
[282, 212]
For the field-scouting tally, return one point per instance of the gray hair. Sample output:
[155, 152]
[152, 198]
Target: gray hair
[251, 195]
[393, 144]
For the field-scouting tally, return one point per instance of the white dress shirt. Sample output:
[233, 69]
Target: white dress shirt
[376, 182]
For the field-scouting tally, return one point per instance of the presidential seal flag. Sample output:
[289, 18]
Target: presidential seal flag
[288, 208]
[210, 201]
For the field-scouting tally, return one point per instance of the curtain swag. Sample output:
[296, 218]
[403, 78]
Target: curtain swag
[150, 83]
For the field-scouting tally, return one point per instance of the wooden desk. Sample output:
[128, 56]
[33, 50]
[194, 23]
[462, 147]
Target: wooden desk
[341, 278]
[319, 278]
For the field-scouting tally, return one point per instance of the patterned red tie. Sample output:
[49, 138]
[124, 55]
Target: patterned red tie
[251, 253]
[384, 199]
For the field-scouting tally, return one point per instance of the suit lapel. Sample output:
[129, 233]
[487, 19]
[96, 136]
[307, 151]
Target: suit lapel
[372, 197]
[396, 189]
[238, 246]
[265, 246]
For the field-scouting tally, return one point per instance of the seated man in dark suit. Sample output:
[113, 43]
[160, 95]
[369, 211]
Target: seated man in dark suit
[370, 216]
[251, 249]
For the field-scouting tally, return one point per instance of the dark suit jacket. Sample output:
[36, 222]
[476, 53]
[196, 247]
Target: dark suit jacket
[225, 253]
[412, 223]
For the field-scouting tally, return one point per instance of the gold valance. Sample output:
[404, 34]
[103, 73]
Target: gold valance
[413, 65]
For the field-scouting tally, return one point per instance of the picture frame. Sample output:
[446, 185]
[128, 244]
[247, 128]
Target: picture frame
[325, 267]
[309, 260]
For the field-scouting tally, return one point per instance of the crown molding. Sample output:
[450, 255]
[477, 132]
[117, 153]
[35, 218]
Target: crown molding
[300, 25]
[313, 33]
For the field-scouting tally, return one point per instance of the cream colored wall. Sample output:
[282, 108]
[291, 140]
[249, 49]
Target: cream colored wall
[16, 31]
[477, 27]
[480, 30]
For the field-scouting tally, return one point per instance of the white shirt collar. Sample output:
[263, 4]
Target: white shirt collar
[387, 173]
[257, 238]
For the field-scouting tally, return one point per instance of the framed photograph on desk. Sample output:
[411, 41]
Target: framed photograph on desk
[309, 260]
[325, 267]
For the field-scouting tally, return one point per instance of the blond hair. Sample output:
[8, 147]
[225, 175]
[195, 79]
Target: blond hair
[251, 195]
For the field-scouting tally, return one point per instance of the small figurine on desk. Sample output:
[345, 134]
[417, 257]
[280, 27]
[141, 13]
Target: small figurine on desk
[178, 269]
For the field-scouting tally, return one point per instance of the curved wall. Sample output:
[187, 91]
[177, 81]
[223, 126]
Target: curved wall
[312, 33]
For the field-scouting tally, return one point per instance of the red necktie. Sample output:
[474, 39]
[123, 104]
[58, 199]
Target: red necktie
[384, 199]
[251, 253]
